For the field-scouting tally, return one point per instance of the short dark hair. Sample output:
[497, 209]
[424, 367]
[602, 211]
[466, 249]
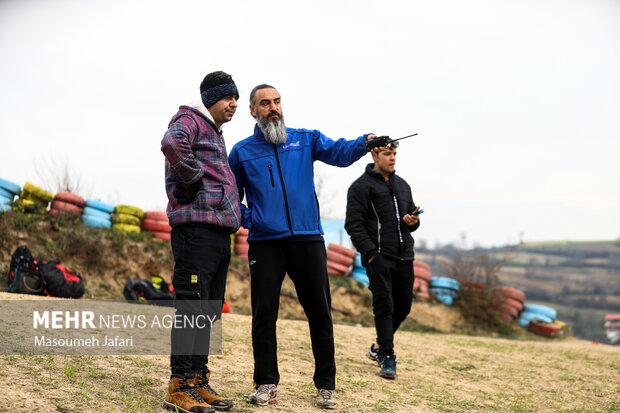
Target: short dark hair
[257, 88]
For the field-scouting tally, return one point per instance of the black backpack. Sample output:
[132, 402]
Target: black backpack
[24, 274]
[60, 281]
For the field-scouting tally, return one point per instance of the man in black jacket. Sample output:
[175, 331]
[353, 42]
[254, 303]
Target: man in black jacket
[380, 218]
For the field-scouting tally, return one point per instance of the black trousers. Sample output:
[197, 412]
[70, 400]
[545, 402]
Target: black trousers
[391, 283]
[201, 258]
[305, 263]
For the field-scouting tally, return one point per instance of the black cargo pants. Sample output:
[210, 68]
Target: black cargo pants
[201, 258]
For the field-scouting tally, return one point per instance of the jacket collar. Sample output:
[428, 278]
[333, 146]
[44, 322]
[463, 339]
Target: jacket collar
[370, 170]
[258, 133]
[200, 109]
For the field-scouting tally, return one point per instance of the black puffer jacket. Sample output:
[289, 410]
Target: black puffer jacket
[372, 214]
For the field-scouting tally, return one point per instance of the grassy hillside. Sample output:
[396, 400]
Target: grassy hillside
[107, 259]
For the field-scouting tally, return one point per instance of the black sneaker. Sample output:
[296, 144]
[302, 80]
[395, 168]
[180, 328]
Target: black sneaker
[388, 367]
[373, 354]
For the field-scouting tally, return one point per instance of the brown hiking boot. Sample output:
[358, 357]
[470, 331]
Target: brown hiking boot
[203, 388]
[182, 396]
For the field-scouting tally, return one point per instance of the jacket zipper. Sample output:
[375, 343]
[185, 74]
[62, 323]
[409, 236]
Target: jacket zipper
[378, 227]
[288, 215]
[400, 234]
[273, 184]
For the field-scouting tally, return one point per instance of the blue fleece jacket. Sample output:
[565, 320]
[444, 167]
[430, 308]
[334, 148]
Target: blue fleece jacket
[278, 180]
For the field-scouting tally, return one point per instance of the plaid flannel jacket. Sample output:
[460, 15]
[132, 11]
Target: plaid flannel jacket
[195, 149]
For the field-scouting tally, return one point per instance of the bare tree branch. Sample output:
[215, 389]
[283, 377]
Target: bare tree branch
[57, 176]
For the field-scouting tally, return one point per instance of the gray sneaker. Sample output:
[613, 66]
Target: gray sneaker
[264, 394]
[325, 399]
[373, 354]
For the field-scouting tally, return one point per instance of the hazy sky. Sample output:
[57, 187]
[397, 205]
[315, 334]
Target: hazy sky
[516, 102]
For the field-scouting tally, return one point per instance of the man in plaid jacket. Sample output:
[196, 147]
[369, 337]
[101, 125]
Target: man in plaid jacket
[203, 210]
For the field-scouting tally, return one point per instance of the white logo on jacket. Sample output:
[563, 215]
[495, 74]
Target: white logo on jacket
[295, 144]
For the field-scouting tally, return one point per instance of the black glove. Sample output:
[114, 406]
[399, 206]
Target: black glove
[377, 142]
[186, 193]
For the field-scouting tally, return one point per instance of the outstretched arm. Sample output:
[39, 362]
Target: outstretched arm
[341, 152]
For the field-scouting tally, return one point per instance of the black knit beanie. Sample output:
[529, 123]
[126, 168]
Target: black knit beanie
[215, 86]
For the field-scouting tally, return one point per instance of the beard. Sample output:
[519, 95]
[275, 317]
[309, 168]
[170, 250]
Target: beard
[274, 130]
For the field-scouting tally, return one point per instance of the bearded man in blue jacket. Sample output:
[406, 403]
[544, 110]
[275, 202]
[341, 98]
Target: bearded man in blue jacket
[274, 170]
